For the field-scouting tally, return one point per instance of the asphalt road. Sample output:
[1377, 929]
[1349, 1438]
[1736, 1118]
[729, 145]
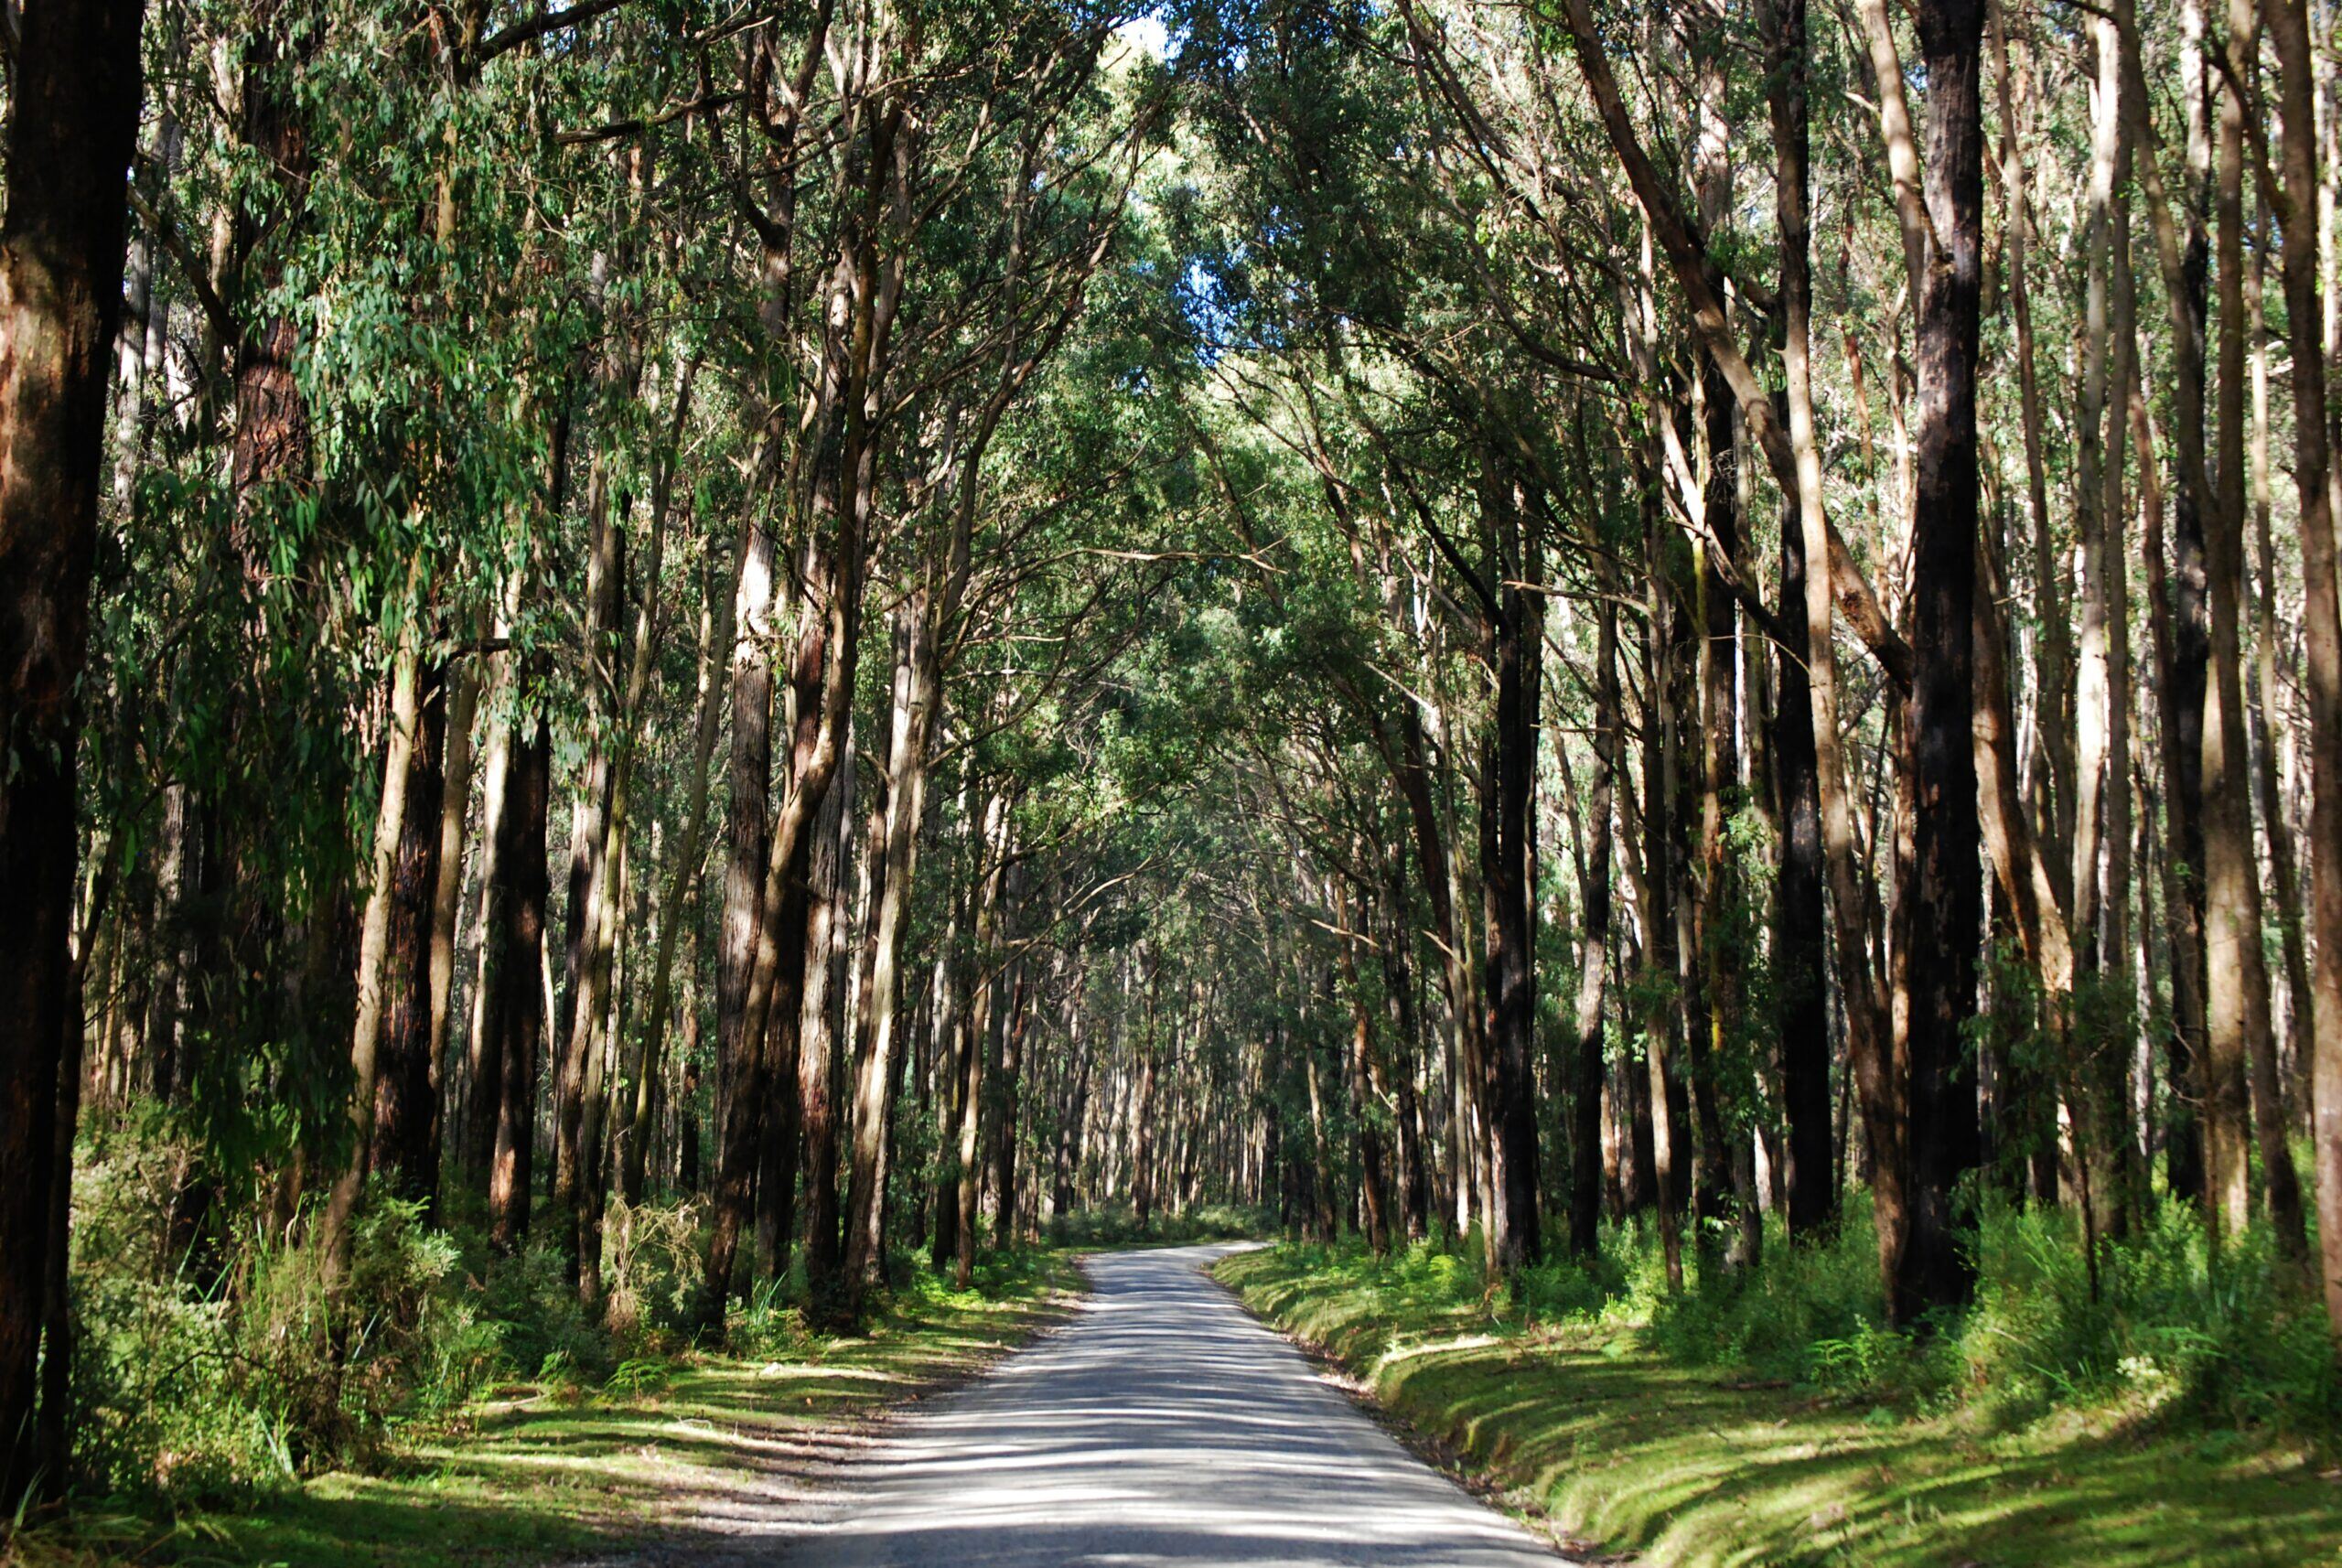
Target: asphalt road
[1163, 1426]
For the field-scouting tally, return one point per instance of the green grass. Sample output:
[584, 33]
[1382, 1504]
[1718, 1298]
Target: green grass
[1587, 1422]
[663, 1452]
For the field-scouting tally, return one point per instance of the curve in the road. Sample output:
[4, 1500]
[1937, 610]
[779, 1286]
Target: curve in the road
[1163, 1426]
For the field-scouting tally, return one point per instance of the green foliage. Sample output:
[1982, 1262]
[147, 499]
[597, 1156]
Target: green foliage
[249, 1368]
[1115, 1224]
[532, 1297]
[2178, 1334]
[653, 1260]
[1623, 1416]
[768, 1325]
[2177, 1330]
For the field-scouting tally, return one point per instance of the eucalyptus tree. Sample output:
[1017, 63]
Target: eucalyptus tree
[74, 111]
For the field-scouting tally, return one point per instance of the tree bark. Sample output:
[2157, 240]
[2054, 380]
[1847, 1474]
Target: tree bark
[717, 643]
[72, 126]
[910, 724]
[373, 944]
[446, 897]
[1587, 1074]
[2236, 1034]
[1941, 896]
[2314, 474]
[404, 1153]
[515, 989]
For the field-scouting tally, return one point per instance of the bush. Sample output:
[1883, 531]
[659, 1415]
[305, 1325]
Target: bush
[767, 1327]
[258, 1371]
[532, 1297]
[651, 1256]
[1811, 1314]
[2176, 1330]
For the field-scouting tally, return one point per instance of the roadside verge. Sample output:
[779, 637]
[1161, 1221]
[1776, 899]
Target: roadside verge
[1615, 1444]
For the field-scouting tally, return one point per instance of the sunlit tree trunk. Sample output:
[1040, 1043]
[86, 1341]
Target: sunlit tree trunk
[2314, 474]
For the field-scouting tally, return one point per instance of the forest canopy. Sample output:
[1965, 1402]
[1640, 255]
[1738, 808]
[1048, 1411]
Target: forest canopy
[663, 656]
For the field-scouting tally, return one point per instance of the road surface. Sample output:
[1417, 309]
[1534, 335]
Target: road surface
[1162, 1426]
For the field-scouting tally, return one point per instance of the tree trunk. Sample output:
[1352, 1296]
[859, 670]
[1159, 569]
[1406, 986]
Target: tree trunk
[777, 967]
[592, 870]
[1008, 1110]
[373, 943]
[2239, 1053]
[1587, 1073]
[1374, 1177]
[820, 1014]
[1870, 1061]
[909, 726]
[715, 644]
[2314, 474]
[1940, 895]
[446, 897]
[515, 988]
[1512, 898]
[750, 823]
[402, 1154]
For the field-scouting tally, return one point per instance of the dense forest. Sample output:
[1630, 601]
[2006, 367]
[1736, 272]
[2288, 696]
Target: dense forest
[665, 660]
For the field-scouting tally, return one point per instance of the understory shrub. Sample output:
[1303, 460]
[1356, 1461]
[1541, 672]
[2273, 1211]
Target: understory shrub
[2176, 1330]
[240, 1368]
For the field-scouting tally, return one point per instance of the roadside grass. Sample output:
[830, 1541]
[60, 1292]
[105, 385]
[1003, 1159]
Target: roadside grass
[1591, 1421]
[695, 1451]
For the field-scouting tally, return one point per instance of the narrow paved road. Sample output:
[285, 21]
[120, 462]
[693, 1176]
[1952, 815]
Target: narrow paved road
[1163, 1426]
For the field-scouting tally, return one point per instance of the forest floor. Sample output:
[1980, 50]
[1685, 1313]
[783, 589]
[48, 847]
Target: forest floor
[1626, 1451]
[700, 1459]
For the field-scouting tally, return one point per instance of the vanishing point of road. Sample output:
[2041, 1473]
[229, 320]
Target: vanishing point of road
[1162, 1426]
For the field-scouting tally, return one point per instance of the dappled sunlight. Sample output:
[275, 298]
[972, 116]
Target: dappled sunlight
[1629, 1448]
[720, 1461]
[1163, 1426]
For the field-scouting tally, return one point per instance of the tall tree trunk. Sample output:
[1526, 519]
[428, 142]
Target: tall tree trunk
[591, 872]
[1941, 897]
[1008, 1110]
[910, 724]
[373, 942]
[1399, 1001]
[750, 780]
[72, 126]
[2183, 629]
[2314, 474]
[1587, 1075]
[2262, 704]
[715, 644]
[402, 1153]
[483, 1070]
[820, 1013]
[777, 967]
[1870, 1058]
[1799, 953]
[1374, 1176]
[447, 898]
[2239, 1054]
[1654, 903]
[515, 988]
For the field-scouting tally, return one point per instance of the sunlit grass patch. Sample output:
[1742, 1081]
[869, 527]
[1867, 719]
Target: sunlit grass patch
[1623, 1438]
[550, 1470]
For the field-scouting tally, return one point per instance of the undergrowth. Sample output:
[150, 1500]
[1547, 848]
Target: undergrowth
[217, 1368]
[2176, 1331]
[1116, 1224]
